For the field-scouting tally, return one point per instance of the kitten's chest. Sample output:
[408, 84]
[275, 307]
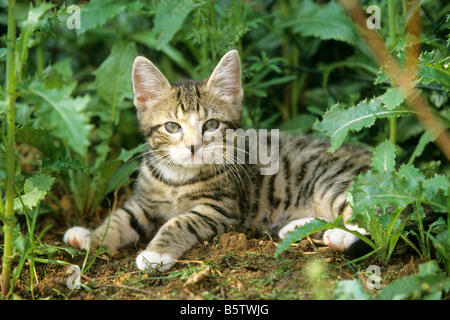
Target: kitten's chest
[172, 200]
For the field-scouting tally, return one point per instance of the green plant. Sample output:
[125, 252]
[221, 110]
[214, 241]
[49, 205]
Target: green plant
[67, 95]
[380, 197]
[375, 193]
[50, 112]
[430, 283]
[17, 53]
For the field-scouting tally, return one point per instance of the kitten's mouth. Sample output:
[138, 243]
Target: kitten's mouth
[189, 161]
[194, 160]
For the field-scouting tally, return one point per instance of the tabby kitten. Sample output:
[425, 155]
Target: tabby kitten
[192, 199]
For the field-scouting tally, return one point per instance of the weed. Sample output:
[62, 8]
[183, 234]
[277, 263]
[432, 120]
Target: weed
[306, 69]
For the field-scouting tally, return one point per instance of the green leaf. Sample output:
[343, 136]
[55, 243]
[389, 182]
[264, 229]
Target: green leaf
[442, 244]
[276, 81]
[63, 115]
[170, 15]
[381, 188]
[411, 175]
[35, 189]
[58, 74]
[34, 14]
[350, 290]
[432, 69]
[375, 227]
[97, 12]
[392, 98]
[383, 159]
[27, 28]
[425, 138]
[3, 54]
[338, 121]
[66, 164]
[428, 283]
[122, 174]
[149, 39]
[325, 22]
[436, 191]
[113, 83]
[39, 139]
[113, 77]
[126, 155]
[438, 182]
[299, 124]
[311, 227]
[49, 250]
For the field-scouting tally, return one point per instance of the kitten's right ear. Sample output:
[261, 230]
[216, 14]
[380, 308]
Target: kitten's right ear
[149, 83]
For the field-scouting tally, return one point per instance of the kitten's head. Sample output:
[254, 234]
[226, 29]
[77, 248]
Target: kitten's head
[185, 122]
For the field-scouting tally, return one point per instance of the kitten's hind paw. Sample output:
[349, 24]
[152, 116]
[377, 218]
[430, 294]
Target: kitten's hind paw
[153, 260]
[346, 242]
[339, 240]
[77, 237]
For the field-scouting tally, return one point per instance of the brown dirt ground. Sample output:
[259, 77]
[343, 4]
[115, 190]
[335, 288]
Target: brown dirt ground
[232, 266]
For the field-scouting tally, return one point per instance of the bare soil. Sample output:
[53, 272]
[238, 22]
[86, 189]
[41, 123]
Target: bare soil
[232, 266]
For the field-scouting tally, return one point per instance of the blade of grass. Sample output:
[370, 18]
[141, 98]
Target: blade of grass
[28, 252]
[83, 270]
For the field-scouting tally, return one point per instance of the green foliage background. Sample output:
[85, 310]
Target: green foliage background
[305, 70]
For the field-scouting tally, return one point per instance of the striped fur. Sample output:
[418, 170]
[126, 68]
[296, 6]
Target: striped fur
[183, 204]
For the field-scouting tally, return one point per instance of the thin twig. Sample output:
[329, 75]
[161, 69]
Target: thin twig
[194, 261]
[318, 252]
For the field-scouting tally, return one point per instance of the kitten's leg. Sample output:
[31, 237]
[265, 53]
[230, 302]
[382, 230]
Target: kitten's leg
[126, 225]
[179, 234]
[291, 226]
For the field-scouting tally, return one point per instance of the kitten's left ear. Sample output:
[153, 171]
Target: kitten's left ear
[226, 78]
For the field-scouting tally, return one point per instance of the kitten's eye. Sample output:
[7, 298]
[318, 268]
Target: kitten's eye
[211, 125]
[172, 127]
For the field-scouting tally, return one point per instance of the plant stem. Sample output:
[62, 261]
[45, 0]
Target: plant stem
[39, 50]
[297, 84]
[387, 235]
[393, 130]
[212, 19]
[391, 13]
[39, 58]
[9, 221]
[392, 36]
[239, 15]
[286, 105]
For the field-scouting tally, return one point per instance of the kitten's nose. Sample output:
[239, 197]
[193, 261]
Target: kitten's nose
[194, 147]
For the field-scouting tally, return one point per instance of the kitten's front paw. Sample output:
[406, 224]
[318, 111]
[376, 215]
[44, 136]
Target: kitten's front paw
[339, 240]
[292, 225]
[77, 237]
[152, 260]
